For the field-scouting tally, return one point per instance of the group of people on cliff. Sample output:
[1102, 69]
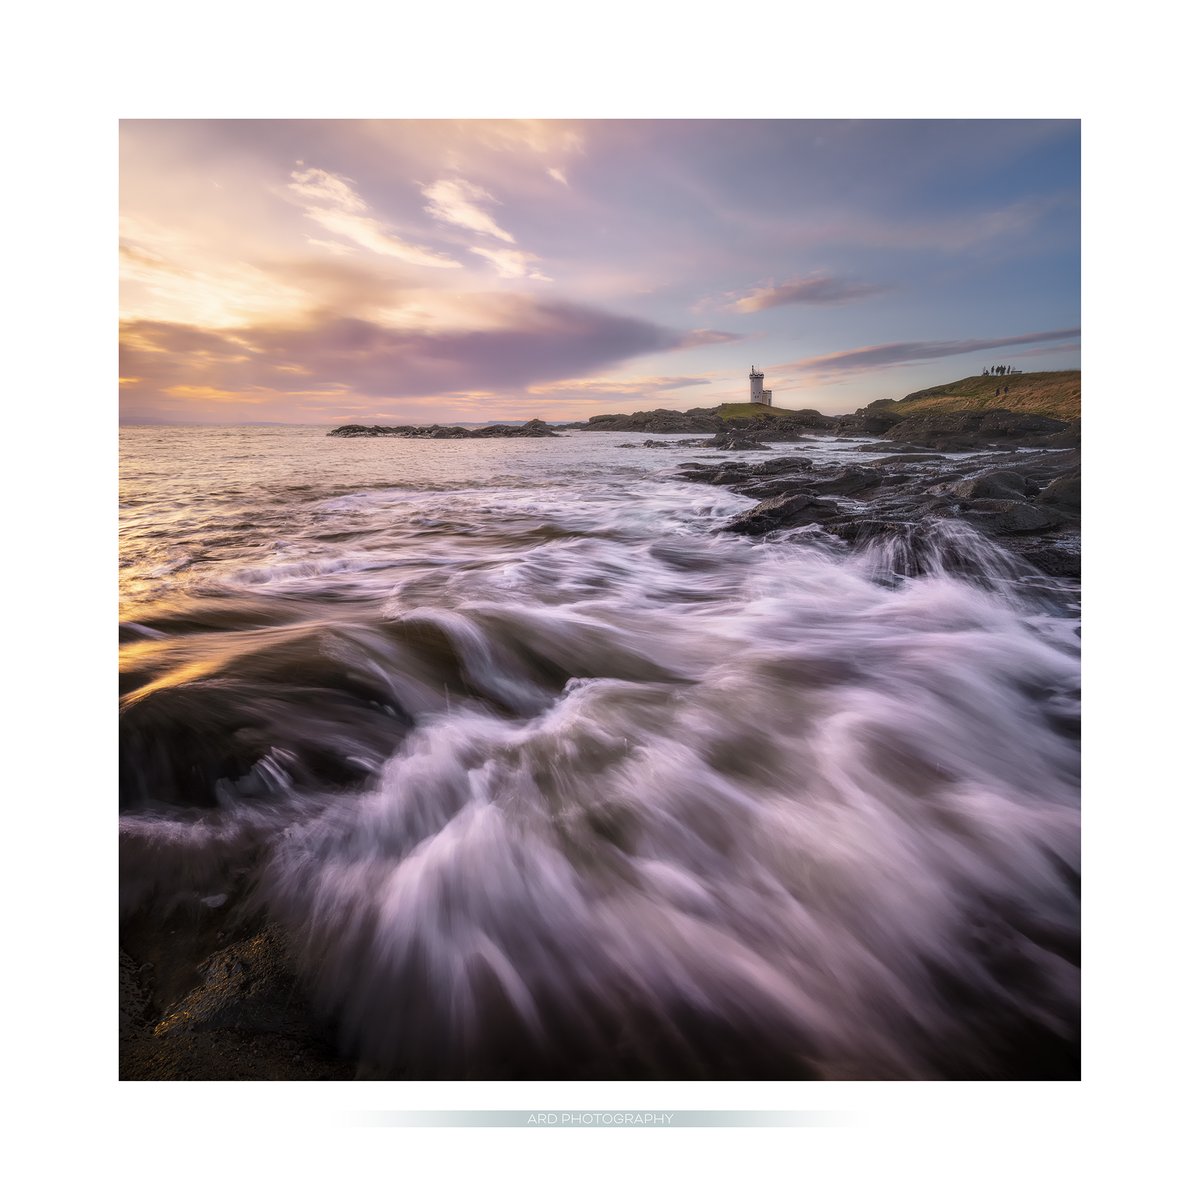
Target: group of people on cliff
[1000, 371]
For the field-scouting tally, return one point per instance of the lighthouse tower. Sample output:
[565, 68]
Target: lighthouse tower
[758, 394]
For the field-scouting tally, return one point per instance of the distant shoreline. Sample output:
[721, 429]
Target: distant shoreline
[1040, 409]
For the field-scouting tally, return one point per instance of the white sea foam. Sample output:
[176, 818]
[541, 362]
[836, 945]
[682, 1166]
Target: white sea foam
[666, 802]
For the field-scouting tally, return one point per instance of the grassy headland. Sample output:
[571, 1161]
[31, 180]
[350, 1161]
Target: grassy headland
[1047, 393]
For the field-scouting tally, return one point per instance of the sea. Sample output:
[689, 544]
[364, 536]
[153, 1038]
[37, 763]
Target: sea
[546, 776]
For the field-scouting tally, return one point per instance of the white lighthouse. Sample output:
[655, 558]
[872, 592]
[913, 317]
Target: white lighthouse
[758, 394]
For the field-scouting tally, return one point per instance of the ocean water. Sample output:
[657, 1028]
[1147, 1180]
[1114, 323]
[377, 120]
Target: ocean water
[547, 777]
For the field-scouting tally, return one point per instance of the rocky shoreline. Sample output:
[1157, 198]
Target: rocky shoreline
[210, 990]
[1029, 501]
[944, 431]
[530, 429]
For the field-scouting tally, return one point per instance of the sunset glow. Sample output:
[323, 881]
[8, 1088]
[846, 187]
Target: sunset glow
[468, 271]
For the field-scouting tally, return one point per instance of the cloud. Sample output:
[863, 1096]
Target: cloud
[559, 174]
[456, 202]
[351, 357]
[333, 204]
[602, 390]
[816, 289]
[511, 264]
[707, 337]
[541, 137]
[869, 358]
[327, 190]
[164, 275]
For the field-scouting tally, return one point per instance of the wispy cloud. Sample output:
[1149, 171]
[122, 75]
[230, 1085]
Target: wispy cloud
[821, 290]
[869, 358]
[511, 264]
[332, 203]
[707, 337]
[559, 174]
[458, 202]
[604, 390]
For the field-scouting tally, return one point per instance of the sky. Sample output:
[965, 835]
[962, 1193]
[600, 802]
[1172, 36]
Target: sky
[458, 271]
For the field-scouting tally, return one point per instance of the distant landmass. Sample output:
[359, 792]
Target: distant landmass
[1040, 408]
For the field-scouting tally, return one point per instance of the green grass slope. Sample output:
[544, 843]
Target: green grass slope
[1047, 393]
[751, 410]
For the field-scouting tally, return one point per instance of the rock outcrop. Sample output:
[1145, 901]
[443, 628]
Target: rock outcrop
[1029, 502]
[530, 429]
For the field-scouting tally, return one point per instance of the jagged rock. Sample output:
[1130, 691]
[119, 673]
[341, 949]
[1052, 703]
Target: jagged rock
[783, 512]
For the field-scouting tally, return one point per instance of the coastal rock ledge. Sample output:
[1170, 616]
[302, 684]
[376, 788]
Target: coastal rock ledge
[530, 429]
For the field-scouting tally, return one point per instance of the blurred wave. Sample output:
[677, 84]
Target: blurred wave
[548, 779]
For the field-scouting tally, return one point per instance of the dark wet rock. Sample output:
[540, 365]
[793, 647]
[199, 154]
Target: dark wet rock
[249, 986]
[992, 485]
[199, 742]
[970, 430]
[861, 530]
[724, 473]
[778, 466]
[783, 512]
[850, 482]
[762, 490]
[1048, 466]
[1062, 492]
[735, 440]
[134, 1001]
[876, 418]
[898, 459]
[248, 1016]
[1027, 501]
[1057, 559]
[728, 476]
[658, 420]
[675, 444]
[1004, 424]
[1010, 516]
[530, 429]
